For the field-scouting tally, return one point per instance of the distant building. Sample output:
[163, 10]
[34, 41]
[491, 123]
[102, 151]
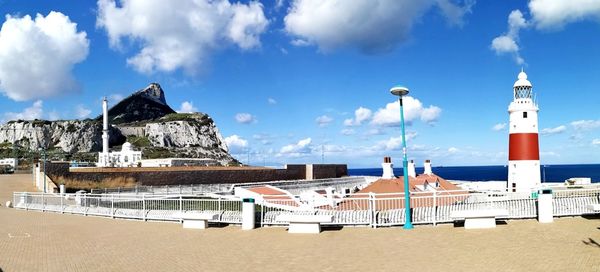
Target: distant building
[11, 162]
[171, 162]
[127, 157]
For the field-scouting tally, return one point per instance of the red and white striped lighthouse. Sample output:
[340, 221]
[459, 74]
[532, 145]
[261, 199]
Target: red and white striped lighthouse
[523, 150]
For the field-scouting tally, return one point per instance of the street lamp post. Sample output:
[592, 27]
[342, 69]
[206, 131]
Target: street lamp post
[401, 91]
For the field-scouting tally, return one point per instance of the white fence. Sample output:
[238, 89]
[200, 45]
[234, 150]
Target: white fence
[356, 209]
[163, 208]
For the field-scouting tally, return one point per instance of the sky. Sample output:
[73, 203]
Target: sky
[307, 81]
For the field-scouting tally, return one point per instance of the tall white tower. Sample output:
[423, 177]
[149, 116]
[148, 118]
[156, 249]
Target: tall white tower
[104, 157]
[523, 151]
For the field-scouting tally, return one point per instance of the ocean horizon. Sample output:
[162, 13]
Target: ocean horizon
[549, 172]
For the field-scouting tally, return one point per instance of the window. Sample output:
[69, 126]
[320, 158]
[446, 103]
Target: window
[524, 114]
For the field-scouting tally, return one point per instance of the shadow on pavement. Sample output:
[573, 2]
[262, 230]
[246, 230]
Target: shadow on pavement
[591, 242]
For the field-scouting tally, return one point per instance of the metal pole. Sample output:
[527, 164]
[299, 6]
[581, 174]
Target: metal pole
[408, 221]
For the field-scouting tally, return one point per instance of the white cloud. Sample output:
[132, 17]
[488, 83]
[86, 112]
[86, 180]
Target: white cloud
[360, 115]
[180, 34]
[455, 13]
[37, 56]
[413, 110]
[187, 107]
[347, 132]
[323, 120]
[586, 124]
[300, 43]
[555, 14]
[394, 143]
[507, 43]
[245, 118]
[596, 142]
[556, 130]
[236, 144]
[368, 25]
[81, 112]
[53, 115]
[271, 101]
[30, 113]
[301, 147]
[499, 127]
[263, 138]
[453, 150]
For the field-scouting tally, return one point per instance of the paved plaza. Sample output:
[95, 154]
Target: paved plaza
[36, 241]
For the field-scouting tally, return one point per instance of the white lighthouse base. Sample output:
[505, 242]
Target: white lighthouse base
[523, 176]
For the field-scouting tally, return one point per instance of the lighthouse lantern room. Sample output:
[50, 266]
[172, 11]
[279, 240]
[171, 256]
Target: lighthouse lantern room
[523, 153]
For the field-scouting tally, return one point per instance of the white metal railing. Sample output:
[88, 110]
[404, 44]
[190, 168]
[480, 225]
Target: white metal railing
[574, 201]
[163, 208]
[355, 209]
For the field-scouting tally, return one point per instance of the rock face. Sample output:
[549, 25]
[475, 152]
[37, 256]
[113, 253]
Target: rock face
[146, 104]
[68, 136]
[160, 132]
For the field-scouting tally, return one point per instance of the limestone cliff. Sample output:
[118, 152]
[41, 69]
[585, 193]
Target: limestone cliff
[144, 118]
[67, 136]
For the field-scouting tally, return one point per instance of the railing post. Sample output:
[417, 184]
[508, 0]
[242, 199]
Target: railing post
[43, 202]
[180, 208]
[219, 204]
[112, 205]
[86, 205]
[372, 210]
[434, 208]
[144, 207]
[62, 208]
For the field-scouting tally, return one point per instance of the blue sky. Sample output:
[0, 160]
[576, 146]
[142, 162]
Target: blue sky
[288, 81]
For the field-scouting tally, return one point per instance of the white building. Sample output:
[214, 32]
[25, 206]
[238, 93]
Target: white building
[523, 153]
[127, 157]
[12, 162]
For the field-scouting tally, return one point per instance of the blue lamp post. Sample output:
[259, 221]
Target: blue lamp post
[401, 91]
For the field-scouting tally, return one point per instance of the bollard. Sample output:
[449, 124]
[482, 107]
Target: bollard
[545, 213]
[79, 197]
[248, 214]
[63, 189]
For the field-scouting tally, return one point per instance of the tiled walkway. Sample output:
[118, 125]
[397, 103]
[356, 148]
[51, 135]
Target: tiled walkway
[35, 241]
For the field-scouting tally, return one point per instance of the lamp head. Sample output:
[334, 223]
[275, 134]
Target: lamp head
[399, 90]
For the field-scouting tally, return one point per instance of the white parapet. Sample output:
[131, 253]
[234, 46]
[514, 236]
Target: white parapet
[545, 214]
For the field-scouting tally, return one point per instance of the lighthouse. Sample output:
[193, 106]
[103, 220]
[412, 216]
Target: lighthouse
[523, 150]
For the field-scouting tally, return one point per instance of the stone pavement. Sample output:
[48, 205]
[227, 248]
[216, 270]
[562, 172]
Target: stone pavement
[36, 241]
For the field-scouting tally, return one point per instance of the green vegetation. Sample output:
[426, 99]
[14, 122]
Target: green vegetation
[139, 141]
[183, 117]
[157, 153]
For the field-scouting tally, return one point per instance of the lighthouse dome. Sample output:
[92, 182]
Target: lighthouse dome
[522, 80]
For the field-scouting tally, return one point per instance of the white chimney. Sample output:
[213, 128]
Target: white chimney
[388, 168]
[427, 168]
[411, 169]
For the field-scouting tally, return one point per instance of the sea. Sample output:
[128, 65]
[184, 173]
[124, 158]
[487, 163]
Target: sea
[549, 173]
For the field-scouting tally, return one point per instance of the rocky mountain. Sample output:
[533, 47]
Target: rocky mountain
[146, 104]
[144, 119]
[67, 136]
